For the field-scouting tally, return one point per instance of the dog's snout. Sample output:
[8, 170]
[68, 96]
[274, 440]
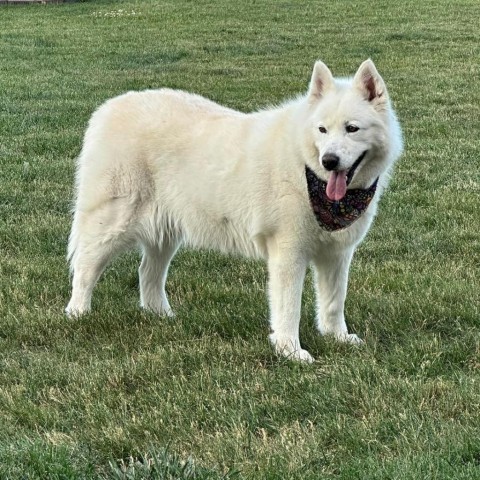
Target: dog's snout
[330, 161]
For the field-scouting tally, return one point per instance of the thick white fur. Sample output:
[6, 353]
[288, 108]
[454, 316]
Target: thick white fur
[162, 167]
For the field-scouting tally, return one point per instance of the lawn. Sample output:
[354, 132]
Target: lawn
[122, 394]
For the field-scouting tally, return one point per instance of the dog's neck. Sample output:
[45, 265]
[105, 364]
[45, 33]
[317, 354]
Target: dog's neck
[334, 215]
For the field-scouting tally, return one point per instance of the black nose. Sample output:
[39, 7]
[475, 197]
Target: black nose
[330, 161]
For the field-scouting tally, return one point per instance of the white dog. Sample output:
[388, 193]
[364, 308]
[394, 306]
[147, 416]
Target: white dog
[296, 185]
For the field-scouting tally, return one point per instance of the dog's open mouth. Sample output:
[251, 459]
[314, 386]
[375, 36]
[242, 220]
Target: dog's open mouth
[339, 180]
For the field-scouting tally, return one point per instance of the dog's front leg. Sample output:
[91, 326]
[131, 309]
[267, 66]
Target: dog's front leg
[286, 276]
[331, 279]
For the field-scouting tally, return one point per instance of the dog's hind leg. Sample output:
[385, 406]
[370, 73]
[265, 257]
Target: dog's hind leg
[153, 275]
[331, 279]
[96, 238]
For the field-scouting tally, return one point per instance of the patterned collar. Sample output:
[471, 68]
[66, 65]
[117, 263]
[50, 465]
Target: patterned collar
[336, 215]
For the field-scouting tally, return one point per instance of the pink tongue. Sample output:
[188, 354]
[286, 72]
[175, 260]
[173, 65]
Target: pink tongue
[337, 185]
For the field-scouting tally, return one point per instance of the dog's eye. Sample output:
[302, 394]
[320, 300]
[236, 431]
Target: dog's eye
[322, 129]
[352, 128]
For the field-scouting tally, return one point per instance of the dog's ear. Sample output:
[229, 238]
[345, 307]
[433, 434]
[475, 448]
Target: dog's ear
[370, 83]
[321, 82]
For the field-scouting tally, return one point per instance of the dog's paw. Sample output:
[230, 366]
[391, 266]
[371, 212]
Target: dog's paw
[298, 355]
[73, 312]
[302, 355]
[290, 348]
[349, 338]
[159, 309]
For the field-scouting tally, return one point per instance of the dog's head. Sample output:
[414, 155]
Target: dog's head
[355, 132]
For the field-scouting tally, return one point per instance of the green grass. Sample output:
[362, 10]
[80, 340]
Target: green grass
[121, 394]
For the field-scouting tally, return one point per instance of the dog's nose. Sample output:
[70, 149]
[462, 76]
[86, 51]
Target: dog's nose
[330, 161]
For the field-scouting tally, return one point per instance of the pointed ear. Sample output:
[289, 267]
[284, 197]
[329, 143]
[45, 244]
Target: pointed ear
[370, 83]
[321, 82]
